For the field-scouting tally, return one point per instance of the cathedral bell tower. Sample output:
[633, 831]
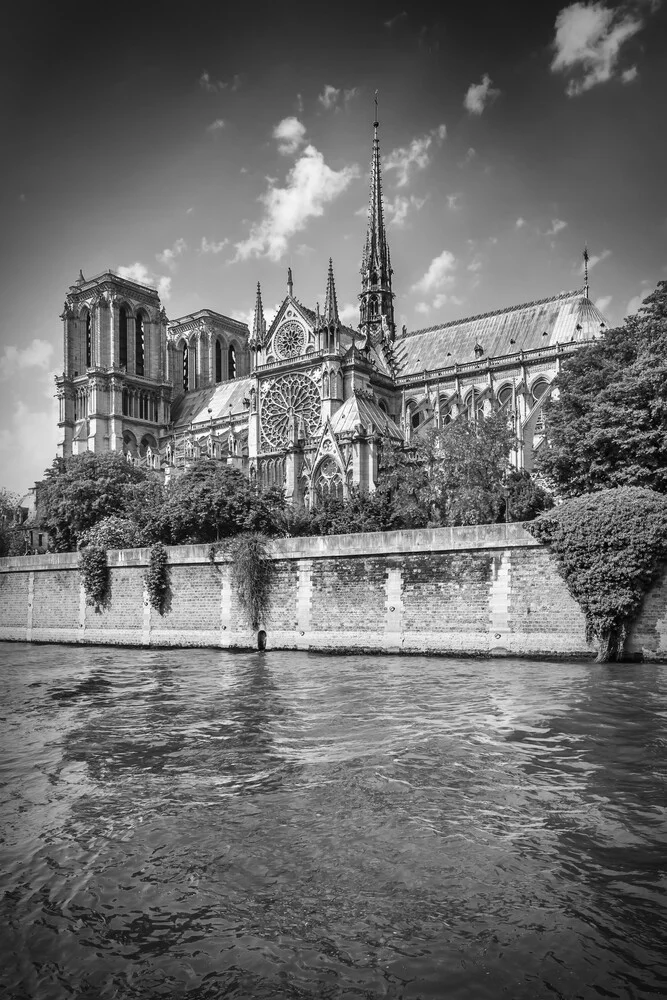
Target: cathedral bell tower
[376, 301]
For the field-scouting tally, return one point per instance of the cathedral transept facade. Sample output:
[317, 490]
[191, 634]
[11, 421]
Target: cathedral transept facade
[306, 402]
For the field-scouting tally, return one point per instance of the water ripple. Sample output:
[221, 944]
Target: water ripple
[203, 824]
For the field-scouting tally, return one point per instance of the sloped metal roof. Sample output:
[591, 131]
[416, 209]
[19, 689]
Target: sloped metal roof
[360, 410]
[194, 406]
[562, 318]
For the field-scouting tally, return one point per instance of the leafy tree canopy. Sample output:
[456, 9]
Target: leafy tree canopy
[608, 426]
[610, 546]
[9, 544]
[81, 490]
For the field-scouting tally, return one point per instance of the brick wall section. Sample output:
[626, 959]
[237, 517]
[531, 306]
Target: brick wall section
[446, 592]
[283, 613]
[14, 600]
[193, 601]
[56, 600]
[486, 589]
[348, 595]
[125, 610]
[539, 598]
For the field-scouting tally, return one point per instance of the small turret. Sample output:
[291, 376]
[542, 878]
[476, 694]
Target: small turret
[258, 332]
[329, 323]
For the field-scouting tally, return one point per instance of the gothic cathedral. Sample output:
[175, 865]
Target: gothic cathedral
[305, 403]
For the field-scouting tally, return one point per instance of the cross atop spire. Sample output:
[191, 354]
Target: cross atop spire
[330, 302]
[290, 283]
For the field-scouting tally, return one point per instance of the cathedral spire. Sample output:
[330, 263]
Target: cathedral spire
[290, 283]
[586, 259]
[330, 302]
[258, 323]
[376, 310]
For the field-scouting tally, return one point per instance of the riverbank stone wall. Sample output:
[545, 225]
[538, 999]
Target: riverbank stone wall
[482, 590]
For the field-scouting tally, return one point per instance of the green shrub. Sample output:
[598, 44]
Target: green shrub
[95, 575]
[252, 572]
[610, 547]
[156, 577]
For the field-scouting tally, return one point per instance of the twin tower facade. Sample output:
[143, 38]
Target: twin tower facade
[307, 402]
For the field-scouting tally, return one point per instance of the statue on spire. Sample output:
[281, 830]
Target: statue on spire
[376, 301]
[290, 283]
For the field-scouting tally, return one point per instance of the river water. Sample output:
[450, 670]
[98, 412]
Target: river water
[203, 824]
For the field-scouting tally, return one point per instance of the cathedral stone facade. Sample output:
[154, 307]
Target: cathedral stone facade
[305, 403]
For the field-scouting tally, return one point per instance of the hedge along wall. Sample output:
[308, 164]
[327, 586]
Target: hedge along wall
[483, 590]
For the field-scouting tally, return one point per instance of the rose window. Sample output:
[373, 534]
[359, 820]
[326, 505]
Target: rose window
[291, 402]
[290, 340]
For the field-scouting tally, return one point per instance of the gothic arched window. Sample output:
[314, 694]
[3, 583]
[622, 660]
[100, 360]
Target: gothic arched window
[218, 361]
[329, 480]
[89, 341]
[122, 337]
[140, 345]
[186, 367]
[231, 361]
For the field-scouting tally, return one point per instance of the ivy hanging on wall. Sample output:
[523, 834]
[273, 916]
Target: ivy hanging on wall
[156, 577]
[610, 546]
[252, 574]
[95, 575]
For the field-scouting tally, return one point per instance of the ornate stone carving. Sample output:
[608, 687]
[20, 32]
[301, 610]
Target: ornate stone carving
[283, 402]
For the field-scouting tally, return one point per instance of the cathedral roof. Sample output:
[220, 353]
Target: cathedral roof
[194, 406]
[359, 410]
[570, 316]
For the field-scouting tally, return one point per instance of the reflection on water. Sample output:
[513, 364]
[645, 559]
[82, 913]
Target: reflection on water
[201, 824]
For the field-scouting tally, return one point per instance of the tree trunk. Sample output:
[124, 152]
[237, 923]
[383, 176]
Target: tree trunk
[610, 645]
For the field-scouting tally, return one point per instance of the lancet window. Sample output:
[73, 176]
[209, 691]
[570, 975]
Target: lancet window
[218, 361]
[140, 345]
[80, 404]
[231, 361]
[89, 341]
[329, 480]
[185, 354]
[122, 337]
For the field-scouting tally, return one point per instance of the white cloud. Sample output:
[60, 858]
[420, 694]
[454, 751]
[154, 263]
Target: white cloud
[475, 264]
[310, 186]
[438, 273]
[168, 256]
[628, 75]
[28, 445]
[329, 97]
[210, 246]
[36, 354]
[211, 86]
[471, 153]
[588, 42]
[396, 19]
[289, 133]
[454, 201]
[349, 314]
[416, 156]
[22, 197]
[556, 226]
[636, 301]
[423, 308]
[216, 126]
[520, 223]
[397, 210]
[603, 303]
[299, 104]
[479, 95]
[595, 259]
[139, 272]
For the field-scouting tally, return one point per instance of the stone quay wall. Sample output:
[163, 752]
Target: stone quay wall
[487, 590]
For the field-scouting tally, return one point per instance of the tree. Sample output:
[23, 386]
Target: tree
[608, 425]
[9, 543]
[610, 546]
[212, 501]
[81, 490]
[452, 476]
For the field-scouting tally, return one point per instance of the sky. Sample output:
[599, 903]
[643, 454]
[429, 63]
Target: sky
[205, 148]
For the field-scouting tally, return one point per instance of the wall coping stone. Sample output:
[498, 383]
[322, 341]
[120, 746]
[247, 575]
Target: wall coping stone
[368, 543]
